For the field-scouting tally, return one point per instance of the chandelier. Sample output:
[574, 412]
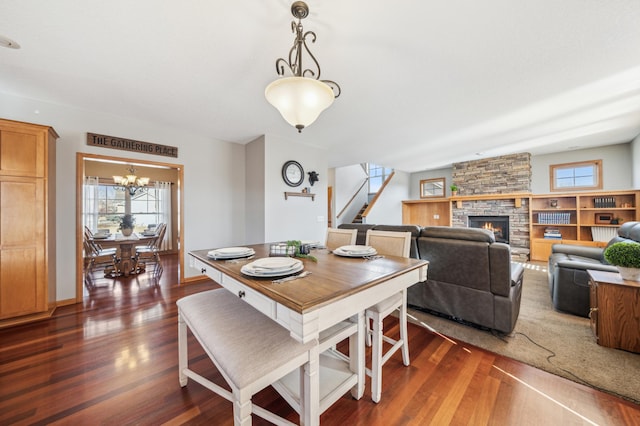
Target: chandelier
[131, 182]
[302, 97]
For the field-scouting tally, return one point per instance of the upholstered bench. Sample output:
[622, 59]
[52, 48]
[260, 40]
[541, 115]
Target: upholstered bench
[250, 350]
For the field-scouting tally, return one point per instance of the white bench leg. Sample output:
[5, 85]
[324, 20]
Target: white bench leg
[183, 357]
[242, 407]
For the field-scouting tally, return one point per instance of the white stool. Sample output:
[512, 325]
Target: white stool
[249, 349]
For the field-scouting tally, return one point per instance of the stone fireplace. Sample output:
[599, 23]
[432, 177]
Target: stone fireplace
[489, 187]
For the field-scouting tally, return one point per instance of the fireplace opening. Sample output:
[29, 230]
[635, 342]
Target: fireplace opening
[499, 225]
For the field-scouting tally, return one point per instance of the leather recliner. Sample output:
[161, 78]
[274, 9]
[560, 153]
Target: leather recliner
[568, 265]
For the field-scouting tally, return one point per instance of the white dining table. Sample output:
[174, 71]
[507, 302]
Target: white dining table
[338, 289]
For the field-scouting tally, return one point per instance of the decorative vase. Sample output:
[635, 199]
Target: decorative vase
[630, 274]
[127, 231]
[454, 193]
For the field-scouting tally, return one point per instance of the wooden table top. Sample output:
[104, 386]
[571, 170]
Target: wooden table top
[332, 277]
[119, 238]
[611, 278]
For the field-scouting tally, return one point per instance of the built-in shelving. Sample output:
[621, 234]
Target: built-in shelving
[578, 218]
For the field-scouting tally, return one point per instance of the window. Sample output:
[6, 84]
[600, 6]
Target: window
[377, 176]
[576, 176]
[111, 206]
[432, 188]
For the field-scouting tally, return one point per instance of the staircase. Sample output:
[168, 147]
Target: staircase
[359, 217]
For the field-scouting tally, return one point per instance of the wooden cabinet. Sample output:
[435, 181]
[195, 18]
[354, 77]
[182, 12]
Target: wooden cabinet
[427, 212]
[27, 221]
[615, 310]
[582, 218]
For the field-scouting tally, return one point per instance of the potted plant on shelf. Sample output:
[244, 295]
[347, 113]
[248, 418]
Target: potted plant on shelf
[626, 257]
[126, 224]
[454, 190]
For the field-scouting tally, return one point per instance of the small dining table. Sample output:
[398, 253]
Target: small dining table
[125, 245]
[337, 289]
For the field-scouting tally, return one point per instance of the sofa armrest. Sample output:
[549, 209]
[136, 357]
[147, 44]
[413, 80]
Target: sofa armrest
[582, 251]
[578, 265]
[517, 273]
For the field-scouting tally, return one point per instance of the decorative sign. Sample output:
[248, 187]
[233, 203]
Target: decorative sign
[122, 144]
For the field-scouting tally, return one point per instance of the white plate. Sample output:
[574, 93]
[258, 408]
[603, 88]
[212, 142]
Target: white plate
[271, 272]
[357, 249]
[230, 252]
[274, 263]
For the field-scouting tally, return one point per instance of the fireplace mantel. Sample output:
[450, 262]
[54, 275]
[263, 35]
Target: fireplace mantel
[516, 196]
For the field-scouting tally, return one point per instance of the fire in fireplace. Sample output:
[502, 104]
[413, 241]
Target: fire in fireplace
[499, 225]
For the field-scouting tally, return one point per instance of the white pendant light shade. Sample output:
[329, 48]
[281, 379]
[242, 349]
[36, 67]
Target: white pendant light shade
[300, 100]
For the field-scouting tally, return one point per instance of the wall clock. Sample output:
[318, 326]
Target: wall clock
[292, 173]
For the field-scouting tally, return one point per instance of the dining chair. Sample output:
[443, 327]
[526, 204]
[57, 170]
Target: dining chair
[386, 243]
[88, 236]
[144, 255]
[103, 259]
[249, 349]
[340, 237]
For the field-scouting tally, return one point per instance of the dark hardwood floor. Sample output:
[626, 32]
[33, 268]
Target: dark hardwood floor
[113, 360]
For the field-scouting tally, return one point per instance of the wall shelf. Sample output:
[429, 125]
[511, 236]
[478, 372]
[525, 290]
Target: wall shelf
[299, 194]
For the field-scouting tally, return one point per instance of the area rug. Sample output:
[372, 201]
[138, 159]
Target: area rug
[559, 343]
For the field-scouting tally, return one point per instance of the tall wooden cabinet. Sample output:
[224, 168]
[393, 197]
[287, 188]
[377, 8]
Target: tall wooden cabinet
[27, 222]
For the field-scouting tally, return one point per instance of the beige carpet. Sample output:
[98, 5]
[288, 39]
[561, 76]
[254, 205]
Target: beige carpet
[559, 343]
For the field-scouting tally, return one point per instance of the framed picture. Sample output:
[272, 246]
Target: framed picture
[432, 188]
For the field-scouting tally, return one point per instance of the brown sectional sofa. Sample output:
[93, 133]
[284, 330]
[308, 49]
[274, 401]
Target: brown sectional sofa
[471, 277]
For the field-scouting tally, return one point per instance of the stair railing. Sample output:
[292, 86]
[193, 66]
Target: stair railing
[375, 198]
[353, 197]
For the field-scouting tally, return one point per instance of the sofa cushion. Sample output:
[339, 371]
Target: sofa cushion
[362, 230]
[457, 262]
[467, 234]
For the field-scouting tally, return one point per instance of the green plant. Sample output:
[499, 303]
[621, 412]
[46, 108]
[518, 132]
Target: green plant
[126, 221]
[297, 244]
[623, 254]
[454, 188]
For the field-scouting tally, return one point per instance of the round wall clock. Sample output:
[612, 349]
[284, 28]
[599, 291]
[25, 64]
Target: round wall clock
[292, 173]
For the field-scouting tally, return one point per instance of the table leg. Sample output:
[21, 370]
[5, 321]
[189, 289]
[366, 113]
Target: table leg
[310, 401]
[356, 356]
[125, 259]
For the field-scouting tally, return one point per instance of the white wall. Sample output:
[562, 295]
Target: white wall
[616, 166]
[388, 209]
[620, 163]
[635, 160]
[213, 186]
[415, 178]
[347, 181]
[297, 218]
[255, 191]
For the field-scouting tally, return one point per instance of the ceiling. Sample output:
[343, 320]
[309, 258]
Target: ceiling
[424, 83]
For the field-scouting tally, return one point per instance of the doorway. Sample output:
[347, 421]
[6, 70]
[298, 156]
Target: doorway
[169, 172]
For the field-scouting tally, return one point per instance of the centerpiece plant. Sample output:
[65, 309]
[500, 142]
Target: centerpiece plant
[126, 224]
[298, 252]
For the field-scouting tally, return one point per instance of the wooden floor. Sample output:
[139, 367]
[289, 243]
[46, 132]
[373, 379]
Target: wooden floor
[113, 361]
